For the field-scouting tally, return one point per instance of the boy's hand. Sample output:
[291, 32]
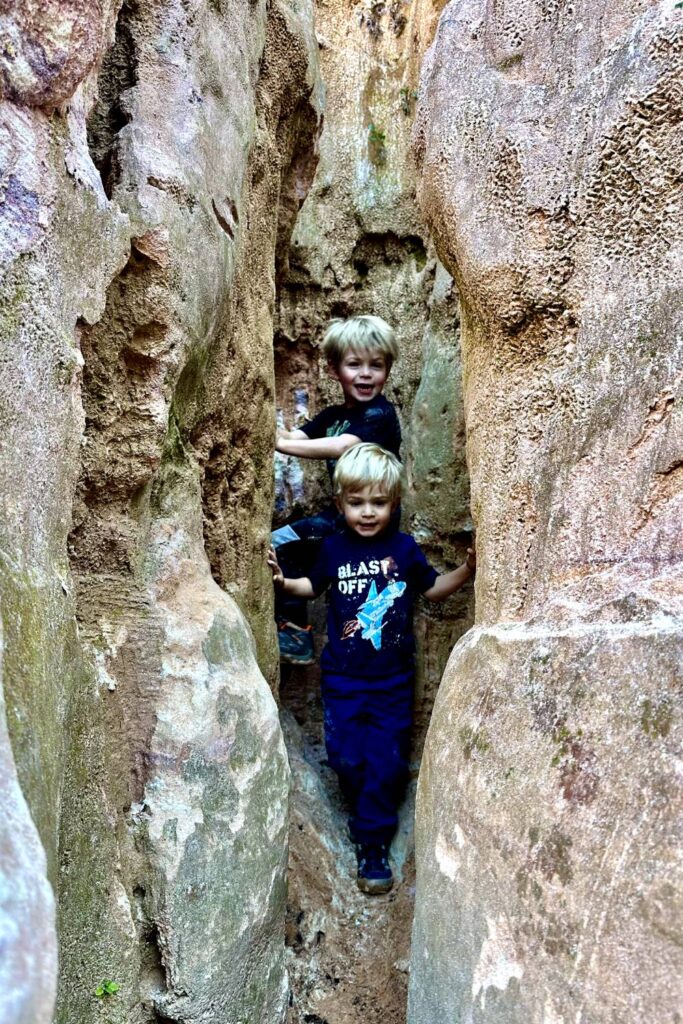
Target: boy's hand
[471, 560]
[350, 628]
[274, 566]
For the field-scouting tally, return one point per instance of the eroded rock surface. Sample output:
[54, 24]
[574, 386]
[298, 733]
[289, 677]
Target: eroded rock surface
[28, 965]
[154, 159]
[549, 887]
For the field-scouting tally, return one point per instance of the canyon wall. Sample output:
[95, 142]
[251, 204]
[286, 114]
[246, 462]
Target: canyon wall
[549, 881]
[153, 160]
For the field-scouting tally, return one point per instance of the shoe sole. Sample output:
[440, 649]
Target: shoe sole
[374, 886]
[296, 661]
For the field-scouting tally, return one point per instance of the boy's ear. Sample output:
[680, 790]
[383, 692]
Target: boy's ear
[332, 370]
[338, 503]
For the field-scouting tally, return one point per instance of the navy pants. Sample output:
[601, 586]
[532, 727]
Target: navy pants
[367, 736]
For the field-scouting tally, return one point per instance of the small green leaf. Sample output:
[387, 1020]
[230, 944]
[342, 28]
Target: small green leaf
[106, 987]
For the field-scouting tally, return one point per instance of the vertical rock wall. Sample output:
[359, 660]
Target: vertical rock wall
[549, 803]
[153, 159]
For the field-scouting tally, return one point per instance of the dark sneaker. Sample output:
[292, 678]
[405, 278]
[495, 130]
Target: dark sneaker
[296, 643]
[374, 873]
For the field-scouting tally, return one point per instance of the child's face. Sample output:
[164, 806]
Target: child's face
[367, 510]
[362, 375]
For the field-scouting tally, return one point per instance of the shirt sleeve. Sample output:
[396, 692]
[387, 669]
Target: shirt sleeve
[317, 426]
[320, 574]
[422, 574]
[379, 425]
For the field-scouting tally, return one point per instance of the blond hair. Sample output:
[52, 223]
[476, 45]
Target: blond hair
[368, 464]
[360, 334]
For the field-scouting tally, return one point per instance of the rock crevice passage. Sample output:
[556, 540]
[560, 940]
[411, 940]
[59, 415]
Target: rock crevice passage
[171, 201]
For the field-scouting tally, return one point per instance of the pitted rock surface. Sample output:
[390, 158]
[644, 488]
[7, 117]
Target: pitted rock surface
[157, 155]
[548, 886]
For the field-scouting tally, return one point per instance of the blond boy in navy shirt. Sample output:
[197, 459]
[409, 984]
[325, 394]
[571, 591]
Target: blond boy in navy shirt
[359, 354]
[374, 573]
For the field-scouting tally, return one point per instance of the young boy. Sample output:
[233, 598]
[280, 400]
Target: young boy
[359, 352]
[374, 572]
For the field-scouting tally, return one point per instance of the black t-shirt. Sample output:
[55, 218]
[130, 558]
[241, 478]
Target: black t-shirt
[373, 586]
[374, 421]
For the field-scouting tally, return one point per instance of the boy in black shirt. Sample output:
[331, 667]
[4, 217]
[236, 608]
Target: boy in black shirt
[360, 352]
[367, 666]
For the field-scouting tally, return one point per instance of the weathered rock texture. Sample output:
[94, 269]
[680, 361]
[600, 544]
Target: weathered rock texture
[153, 157]
[28, 965]
[549, 804]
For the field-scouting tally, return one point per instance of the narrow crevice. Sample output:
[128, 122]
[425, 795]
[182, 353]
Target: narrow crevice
[111, 113]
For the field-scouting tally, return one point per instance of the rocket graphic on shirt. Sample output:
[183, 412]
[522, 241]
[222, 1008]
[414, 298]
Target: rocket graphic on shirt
[371, 613]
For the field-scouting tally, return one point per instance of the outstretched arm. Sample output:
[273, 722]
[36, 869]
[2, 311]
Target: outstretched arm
[295, 442]
[290, 435]
[449, 582]
[300, 587]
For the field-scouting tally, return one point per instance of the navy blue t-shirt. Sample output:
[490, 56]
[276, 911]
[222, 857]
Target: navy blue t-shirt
[373, 585]
[374, 421]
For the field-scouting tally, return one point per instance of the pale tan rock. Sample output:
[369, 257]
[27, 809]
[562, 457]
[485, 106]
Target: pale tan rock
[48, 48]
[549, 801]
[139, 227]
[28, 938]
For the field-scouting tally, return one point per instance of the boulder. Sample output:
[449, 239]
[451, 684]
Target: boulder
[548, 884]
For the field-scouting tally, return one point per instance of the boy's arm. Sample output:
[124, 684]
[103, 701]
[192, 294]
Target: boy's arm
[289, 435]
[301, 587]
[449, 582]
[315, 447]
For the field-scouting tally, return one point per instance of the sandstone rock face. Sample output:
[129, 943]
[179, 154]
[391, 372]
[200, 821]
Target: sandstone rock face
[27, 933]
[549, 885]
[140, 223]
